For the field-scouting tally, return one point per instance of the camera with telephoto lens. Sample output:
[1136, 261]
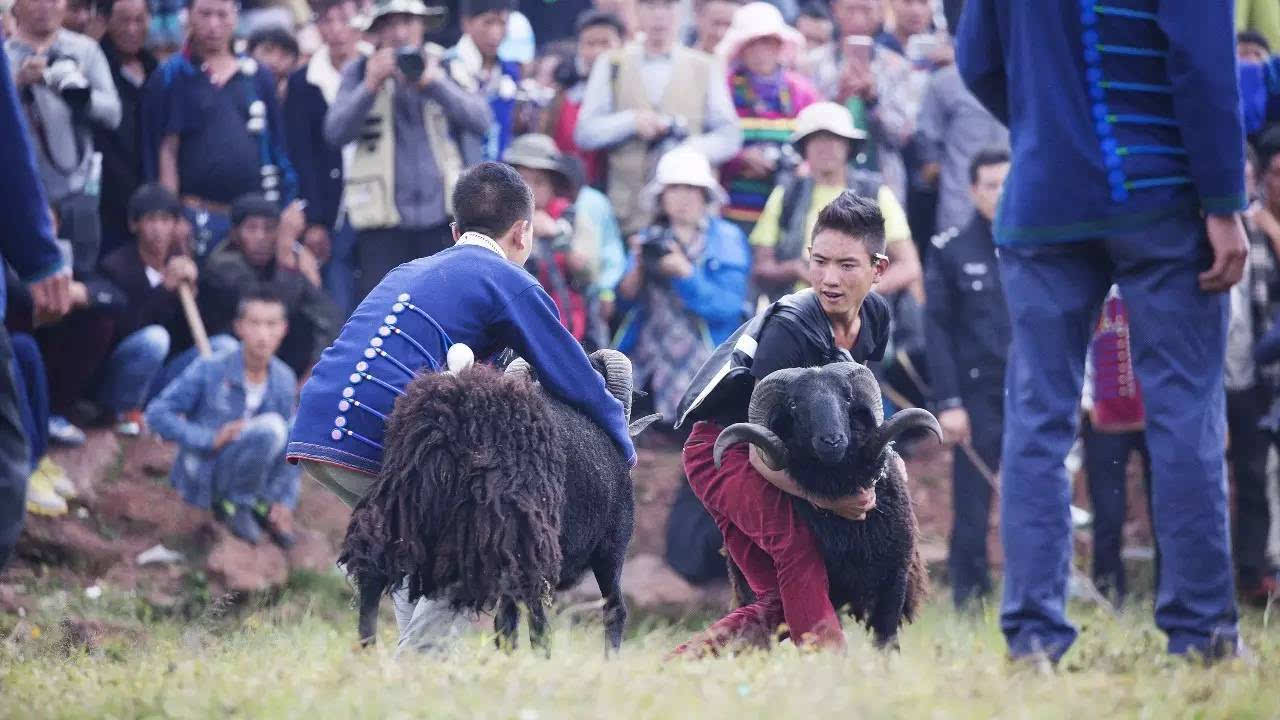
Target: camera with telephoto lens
[410, 63]
[62, 74]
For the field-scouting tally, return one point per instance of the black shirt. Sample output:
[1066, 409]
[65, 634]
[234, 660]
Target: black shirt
[793, 332]
[789, 341]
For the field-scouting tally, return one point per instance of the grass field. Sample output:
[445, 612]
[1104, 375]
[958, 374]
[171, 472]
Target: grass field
[294, 658]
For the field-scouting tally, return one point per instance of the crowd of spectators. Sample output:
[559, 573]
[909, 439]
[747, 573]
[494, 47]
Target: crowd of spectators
[262, 166]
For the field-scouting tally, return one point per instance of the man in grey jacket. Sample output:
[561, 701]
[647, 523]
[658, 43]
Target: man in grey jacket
[414, 130]
[65, 86]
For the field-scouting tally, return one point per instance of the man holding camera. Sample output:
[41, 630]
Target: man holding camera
[65, 86]
[414, 131]
[628, 111]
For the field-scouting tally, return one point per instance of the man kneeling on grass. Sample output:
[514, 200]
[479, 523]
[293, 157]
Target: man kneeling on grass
[838, 319]
[230, 415]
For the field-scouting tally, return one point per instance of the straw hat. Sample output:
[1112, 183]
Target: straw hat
[685, 166]
[825, 117]
[539, 152]
[760, 20]
[434, 15]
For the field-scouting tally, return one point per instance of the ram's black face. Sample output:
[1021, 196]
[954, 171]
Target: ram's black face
[822, 409]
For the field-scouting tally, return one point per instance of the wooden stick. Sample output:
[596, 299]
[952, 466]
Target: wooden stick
[194, 321]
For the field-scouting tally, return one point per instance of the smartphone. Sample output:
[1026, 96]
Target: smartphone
[857, 49]
[920, 48]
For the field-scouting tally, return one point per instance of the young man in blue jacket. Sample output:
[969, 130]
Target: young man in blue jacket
[27, 245]
[475, 293]
[1127, 168]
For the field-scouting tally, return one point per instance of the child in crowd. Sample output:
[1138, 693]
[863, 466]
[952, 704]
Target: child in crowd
[230, 415]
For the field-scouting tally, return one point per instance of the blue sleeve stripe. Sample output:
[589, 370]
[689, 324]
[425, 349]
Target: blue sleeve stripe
[1150, 150]
[1136, 87]
[1138, 119]
[1136, 51]
[1124, 12]
[1155, 182]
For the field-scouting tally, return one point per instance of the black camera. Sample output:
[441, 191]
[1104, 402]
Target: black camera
[410, 63]
[658, 243]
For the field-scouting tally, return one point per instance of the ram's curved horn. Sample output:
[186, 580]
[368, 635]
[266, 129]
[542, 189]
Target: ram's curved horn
[769, 391]
[616, 369]
[866, 391]
[771, 447]
[520, 366]
[639, 426]
[902, 421]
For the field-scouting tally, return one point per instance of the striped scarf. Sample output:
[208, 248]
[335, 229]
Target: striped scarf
[766, 112]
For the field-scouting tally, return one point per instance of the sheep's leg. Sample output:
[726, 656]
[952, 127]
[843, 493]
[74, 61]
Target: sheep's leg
[371, 589]
[608, 572]
[886, 618]
[506, 624]
[538, 627]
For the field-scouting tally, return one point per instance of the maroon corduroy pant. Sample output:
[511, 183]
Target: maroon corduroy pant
[776, 551]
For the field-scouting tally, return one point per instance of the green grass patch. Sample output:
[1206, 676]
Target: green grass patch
[293, 656]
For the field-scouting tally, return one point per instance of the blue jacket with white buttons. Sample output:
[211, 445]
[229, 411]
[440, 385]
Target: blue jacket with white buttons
[466, 294]
[1121, 112]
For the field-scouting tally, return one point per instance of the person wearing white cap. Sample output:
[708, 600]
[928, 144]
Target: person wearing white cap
[645, 98]
[758, 49]
[826, 138]
[685, 288]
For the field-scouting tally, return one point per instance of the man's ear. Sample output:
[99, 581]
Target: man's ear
[521, 234]
[453, 228]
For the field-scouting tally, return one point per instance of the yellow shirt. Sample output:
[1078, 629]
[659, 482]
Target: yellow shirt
[766, 231]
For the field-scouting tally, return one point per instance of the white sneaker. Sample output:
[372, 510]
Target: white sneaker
[62, 431]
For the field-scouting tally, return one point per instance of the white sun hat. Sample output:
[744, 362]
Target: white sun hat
[760, 20]
[685, 166]
[825, 117]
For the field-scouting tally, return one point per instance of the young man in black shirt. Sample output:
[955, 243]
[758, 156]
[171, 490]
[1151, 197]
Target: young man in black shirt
[838, 319]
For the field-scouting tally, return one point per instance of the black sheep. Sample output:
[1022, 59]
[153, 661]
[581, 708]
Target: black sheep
[826, 427]
[493, 494]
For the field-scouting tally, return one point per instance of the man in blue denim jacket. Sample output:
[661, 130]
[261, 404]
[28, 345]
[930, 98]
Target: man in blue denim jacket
[230, 414]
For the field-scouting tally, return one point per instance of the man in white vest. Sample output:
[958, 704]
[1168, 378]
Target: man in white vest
[414, 131]
[645, 98]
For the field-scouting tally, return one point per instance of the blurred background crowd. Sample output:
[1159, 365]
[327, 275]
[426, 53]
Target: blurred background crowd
[678, 152]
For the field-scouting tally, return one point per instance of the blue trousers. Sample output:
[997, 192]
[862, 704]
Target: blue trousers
[967, 563]
[32, 395]
[253, 467]
[340, 271]
[1178, 339]
[1106, 458]
[133, 366]
[14, 458]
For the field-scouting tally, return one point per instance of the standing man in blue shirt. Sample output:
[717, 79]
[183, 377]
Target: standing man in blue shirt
[1128, 168]
[211, 126]
[27, 245]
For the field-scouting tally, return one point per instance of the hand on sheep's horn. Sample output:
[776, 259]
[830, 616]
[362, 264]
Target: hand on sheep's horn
[460, 358]
[772, 451]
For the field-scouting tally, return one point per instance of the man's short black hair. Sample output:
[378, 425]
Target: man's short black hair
[490, 198]
[984, 158]
[815, 10]
[261, 293]
[855, 216]
[274, 36]
[1268, 146]
[470, 8]
[1253, 37]
[599, 18]
[152, 198]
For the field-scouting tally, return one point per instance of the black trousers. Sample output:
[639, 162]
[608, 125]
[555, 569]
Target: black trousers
[378, 252]
[1106, 457]
[967, 562]
[1248, 456]
[14, 461]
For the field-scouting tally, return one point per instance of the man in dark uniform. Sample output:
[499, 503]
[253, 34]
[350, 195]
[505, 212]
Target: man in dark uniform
[967, 326]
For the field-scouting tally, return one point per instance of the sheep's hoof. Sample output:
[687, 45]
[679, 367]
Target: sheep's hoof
[367, 642]
[889, 644]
